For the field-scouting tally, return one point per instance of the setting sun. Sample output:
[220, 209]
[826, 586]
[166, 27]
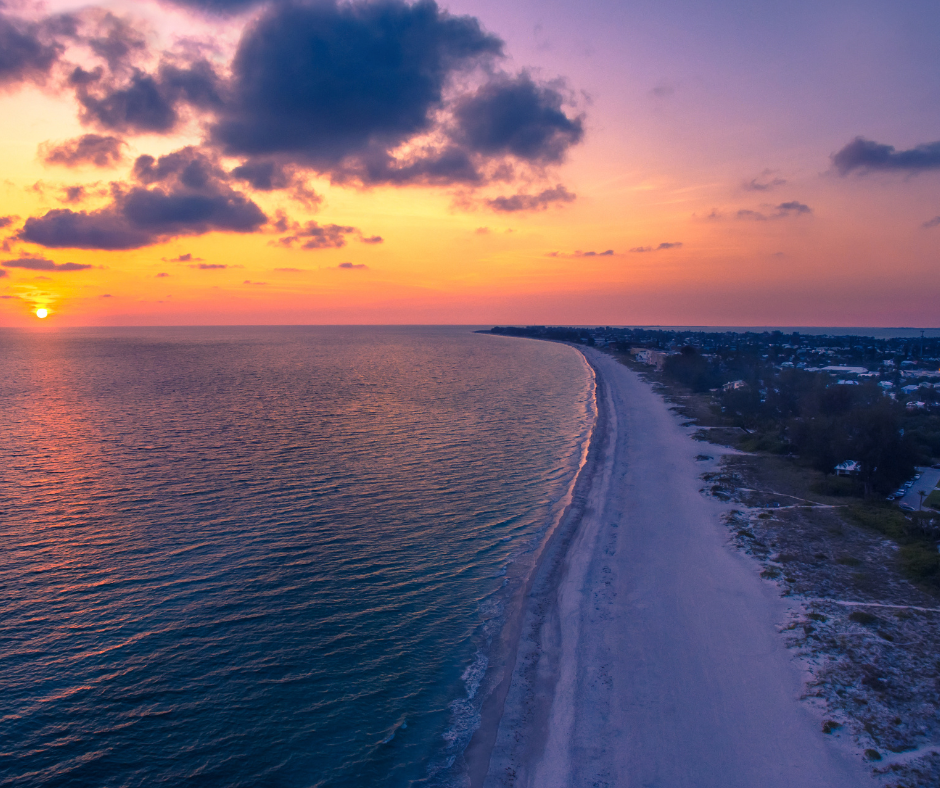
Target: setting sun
[42, 313]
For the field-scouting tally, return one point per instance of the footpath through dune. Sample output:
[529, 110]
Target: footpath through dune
[650, 655]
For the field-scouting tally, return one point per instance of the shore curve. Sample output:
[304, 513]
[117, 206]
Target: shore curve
[648, 651]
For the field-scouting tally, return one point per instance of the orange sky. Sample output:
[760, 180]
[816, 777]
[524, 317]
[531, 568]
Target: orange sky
[694, 138]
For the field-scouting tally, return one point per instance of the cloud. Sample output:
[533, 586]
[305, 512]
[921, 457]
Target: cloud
[162, 275]
[106, 295]
[94, 149]
[515, 116]
[145, 103]
[781, 211]
[249, 282]
[313, 235]
[663, 91]
[606, 253]
[362, 92]
[793, 208]
[327, 81]
[270, 176]
[183, 258]
[190, 198]
[531, 202]
[221, 7]
[290, 270]
[28, 50]
[352, 266]
[3, 273]
[42, 264]
[862, 154]
[6, 221]
[763, 183]
[665, 245]
[212, 266]
[482, 231]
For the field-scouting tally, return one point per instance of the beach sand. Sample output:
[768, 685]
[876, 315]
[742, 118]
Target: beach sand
[649, 651]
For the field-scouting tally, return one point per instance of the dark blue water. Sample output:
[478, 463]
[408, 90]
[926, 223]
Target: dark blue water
[266, 556]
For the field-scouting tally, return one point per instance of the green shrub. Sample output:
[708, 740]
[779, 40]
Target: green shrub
[861, 617]
[920, 560]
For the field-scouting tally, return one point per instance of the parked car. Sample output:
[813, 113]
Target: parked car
[907, 507]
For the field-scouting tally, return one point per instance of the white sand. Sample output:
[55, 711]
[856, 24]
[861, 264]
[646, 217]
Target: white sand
[649, 653]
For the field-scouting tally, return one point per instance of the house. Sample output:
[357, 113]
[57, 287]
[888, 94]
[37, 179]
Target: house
[916, 405]
[909, 389]
[734, 385]
[848, 468]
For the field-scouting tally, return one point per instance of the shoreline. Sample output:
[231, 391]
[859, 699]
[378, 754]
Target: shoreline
[478, 751]
[648, 652]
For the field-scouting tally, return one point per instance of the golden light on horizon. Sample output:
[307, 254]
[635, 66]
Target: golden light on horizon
[42, 313]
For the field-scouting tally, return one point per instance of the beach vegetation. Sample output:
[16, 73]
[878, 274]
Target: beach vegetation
[861, 617]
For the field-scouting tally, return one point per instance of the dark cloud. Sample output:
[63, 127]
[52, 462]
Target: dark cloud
[73, 194]
[3, 273]
[325, 82]
[482, 231]
[145, 103]
[763, 183]
[531, 202]
[221, 7]
[781, 211]
[263, 175]
[352, 266]
[291, 270]
[270, 175]
[607, 253]
[94, 149]
[210, 266]
[112, 38]
[661, 248]
[862, 154]
[935, 222]
[371, 239]
[162, 275]
[27, 50]
[249, 282]
[316, 236]
[6, 221]
[42, 264]
[183, 258]
[182, 193]
[793, 208]
[106, 295]
[515, 116]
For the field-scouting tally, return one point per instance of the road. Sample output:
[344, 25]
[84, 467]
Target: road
[929, 479]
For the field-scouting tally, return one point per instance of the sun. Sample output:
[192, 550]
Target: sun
[42, 313]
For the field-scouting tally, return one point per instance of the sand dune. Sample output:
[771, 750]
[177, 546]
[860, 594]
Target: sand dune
[649, 653]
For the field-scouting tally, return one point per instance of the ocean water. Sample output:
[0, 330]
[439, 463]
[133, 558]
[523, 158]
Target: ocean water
[266, 556]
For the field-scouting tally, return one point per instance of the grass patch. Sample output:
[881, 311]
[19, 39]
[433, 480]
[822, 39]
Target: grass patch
[838, 487]
[861, 617]
[920, 560]
[848, 560]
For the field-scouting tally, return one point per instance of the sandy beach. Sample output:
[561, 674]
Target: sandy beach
[649, 651]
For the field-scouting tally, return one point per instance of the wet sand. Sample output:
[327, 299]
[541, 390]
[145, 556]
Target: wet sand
[648, 649]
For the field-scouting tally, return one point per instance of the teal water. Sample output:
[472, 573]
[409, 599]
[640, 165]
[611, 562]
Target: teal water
[266, 556]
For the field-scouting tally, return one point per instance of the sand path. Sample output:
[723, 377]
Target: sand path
[649, 653]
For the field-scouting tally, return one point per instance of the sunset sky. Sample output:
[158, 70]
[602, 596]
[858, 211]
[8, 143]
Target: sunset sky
[628, 162]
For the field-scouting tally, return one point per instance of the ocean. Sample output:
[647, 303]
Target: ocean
[274, 556]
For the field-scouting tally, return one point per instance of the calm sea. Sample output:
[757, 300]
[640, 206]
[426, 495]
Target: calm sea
[266, 556]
